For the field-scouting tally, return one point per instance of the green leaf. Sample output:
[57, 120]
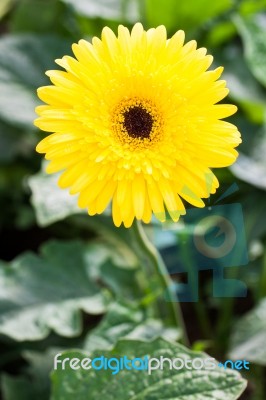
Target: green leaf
[107, 9]
[40, 294]
[104, 266]
[125, 321]
[51, 203]
[253, 31]
[185, 15]
[249, 336]
[114, 245]
[138, 385]
[119, 275]
[26, 58]
[120, 238]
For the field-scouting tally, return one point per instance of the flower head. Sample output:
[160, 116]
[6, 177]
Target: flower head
[135, 122]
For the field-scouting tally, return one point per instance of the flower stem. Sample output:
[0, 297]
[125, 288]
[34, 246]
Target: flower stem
[200, 308]
[155, 261]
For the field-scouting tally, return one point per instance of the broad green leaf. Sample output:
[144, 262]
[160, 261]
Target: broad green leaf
[117, 240]
[106, 9]
[125, 321]
[24, 60]
[39, 294]
[51, 203]
[119, 274]
[185, 15]
[253, 32]
[182, 384]
[104, 266]
[249, 336]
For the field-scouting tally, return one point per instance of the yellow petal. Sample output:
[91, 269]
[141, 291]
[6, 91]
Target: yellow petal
[138, 194]
[105, 196]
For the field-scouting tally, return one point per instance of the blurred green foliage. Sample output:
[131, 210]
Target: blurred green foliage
[55, 299]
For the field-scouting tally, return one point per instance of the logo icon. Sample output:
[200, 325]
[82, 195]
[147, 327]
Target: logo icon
[211, 239]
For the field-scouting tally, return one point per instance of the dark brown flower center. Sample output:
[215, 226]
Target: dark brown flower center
[138, 122]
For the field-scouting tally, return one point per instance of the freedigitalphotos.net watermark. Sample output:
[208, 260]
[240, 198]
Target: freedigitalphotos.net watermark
[210, 238]
[146, 364]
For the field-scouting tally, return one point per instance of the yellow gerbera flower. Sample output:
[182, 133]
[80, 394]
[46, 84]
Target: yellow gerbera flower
[136, 123]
